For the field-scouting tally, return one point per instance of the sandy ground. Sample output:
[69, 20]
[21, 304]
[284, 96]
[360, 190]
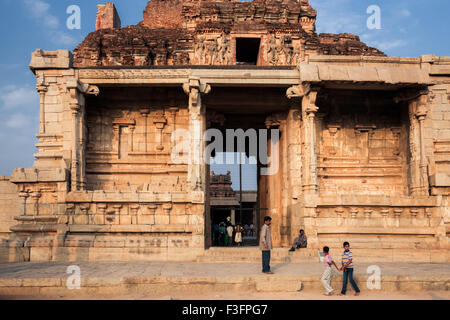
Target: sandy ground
[120, 269]
[197, 269]
[310, 295]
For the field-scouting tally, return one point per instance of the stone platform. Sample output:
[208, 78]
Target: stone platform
[113, 279]
[365, 252]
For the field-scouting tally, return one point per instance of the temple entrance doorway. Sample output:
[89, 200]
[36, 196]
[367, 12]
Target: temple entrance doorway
[238, 191]
[233, 200]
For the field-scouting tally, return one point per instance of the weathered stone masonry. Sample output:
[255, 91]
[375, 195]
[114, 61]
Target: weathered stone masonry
[364, 151]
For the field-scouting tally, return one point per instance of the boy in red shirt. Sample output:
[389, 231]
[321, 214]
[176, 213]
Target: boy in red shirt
[328, 272]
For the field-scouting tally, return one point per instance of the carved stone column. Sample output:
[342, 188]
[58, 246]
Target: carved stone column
[295, 94]
[144, 113]
[42, 88]
[160, 123]
[173, 111]
[294, 153]
[75, 173]
[417, 114]
[35, 196]
[233, 216]
[197, 126]
[131, 138]
[309, 110]
[421, 114]
[24, 195]
[296, 161]
[77, 91]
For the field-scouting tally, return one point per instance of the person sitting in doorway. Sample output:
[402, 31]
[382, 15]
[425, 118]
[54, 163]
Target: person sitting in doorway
[238, 234]
[300, 241]
[230, 231]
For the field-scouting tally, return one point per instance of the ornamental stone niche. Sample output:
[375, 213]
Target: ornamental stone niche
[363, 153]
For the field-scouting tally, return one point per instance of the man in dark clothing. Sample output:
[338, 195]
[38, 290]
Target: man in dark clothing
[300, 242]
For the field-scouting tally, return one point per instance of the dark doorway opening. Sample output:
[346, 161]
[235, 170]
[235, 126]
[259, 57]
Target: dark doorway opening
[247, 50]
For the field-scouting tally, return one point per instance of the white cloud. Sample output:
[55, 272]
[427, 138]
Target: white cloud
[388, 45]
[19, 106]
[39, 10]
[338, 16]
[37, 7]
[59, 37]
[12, 97]
[51, 21]
[405, 13]
[18, 120]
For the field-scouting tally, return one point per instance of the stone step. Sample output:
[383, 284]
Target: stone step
[255, 259]
[312, 255]
[117, 286]
[257, 252]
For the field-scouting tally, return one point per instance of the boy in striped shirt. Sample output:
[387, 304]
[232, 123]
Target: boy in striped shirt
[347, 267]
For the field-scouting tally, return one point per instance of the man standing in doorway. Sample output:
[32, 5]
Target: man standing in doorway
[265, 244]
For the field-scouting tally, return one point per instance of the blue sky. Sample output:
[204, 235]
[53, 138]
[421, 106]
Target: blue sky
[409, 28]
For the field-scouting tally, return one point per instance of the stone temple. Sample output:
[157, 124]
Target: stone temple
[363, 153]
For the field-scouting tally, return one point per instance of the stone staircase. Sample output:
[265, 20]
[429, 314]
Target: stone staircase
[253, 254]
[361, 255]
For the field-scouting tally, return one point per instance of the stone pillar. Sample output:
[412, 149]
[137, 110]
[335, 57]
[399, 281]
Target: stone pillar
[77, 102]
[116, 139]
[42, 88]
[417, 102]
[233, 217]
[173, 111]
[35, 196]
[309, 109]
[23, 195]
[421, 114]
[295, 164]
[197, 126]
[160, 123]
[285, 185]
[75, 172]
[144, 113]
[131, 138]
[294, 152]
[134, 213]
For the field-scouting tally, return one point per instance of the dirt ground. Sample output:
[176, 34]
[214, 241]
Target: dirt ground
[310, 295]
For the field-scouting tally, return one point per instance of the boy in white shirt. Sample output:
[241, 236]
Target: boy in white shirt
[328, 272]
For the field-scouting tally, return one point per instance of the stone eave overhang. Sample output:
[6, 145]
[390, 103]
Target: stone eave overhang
[376, 73]
[244, 75]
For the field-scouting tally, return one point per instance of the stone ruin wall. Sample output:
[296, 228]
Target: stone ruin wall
[397, 185]
[129, 140]
[60, 203]
[363, 142]
[9, 200]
